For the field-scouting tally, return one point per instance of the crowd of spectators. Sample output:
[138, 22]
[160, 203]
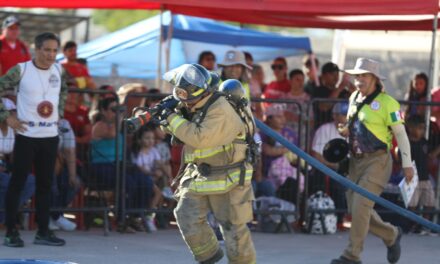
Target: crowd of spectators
[91, 133]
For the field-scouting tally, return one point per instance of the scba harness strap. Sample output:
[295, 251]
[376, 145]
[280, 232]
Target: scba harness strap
[252, 146]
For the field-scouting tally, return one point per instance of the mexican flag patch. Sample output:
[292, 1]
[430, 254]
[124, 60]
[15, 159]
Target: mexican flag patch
[396, 116]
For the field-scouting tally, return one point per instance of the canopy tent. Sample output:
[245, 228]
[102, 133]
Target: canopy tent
[297, 13]
[293, 7]
[131, 52]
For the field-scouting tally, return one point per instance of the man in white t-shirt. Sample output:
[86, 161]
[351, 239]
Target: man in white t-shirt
[41, 94]
[324, 134]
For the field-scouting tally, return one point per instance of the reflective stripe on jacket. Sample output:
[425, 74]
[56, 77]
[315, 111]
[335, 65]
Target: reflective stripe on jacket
[211, 142]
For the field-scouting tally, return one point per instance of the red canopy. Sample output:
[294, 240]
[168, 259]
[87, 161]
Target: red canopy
[297, 13]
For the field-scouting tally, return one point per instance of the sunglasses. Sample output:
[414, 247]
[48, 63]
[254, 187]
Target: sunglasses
[277, 66]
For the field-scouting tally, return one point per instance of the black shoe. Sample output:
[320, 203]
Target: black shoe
[48, 238]
[393, 254]
[214, 259]
[12, 239]
[344, 260]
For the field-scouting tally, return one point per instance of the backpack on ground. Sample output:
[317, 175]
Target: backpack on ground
[321, 222]
[283, 214]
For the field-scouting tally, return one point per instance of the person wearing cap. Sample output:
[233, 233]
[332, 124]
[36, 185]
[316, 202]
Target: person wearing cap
[41, 96]
[215, 174]
[234, 66]
[12, 49]
[329, 89]
[374, 117]
[322, 136]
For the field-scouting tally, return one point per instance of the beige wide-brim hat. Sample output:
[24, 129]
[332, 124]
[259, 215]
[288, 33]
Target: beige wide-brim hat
[234, 57]
[364, 65]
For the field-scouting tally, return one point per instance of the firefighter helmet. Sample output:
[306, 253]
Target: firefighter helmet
[233, 89]
[191, 81]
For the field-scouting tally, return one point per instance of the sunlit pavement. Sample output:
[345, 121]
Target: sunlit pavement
[166, 246]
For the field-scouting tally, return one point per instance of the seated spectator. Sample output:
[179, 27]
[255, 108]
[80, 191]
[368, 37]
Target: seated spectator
[318, 181]
[207, 60]
[234, 66]
[77, 116]
[12, 49]
[109, 93]
[301, 98]
[103, 164]
[7, 140]
[280, 86]
[274, 155]
[66, 183]
[418, 90]
[421, 152]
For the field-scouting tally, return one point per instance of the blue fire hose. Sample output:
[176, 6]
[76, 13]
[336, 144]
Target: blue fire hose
[345, 182]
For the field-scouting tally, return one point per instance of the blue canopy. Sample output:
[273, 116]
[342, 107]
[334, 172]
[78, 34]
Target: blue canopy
[132, 52]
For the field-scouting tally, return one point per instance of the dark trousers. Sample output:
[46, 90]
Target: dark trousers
[41, 153]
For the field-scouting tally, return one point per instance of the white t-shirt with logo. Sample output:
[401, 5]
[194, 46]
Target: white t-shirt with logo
[37, 99]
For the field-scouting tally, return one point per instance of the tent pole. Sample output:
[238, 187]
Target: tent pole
[168, 48]
[159, 54]
[432, 73]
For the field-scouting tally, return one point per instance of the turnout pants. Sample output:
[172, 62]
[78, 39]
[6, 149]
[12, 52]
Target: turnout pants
[232, 210]
[371, 172]
[41, 153]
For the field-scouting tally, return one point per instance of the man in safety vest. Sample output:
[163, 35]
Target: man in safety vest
[373, 119]
[216, 171]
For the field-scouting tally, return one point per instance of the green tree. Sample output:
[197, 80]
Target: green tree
[113, 20]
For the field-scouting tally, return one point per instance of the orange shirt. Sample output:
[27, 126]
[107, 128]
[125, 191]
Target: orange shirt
[9, 57]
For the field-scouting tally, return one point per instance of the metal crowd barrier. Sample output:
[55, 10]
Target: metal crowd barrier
[305, 130]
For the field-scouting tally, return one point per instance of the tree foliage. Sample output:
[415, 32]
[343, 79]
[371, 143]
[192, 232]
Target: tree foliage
[113, 20]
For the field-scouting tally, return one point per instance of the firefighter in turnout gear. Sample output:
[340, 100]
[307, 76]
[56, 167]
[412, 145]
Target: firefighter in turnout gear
[216, 166]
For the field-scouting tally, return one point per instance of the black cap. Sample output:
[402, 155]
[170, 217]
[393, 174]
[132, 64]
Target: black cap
[9, 21]
[329, 67]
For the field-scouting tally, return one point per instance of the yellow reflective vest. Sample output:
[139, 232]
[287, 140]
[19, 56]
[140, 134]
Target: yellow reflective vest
[211, 142]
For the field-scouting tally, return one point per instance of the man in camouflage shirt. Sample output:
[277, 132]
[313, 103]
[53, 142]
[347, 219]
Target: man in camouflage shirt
[41, 94]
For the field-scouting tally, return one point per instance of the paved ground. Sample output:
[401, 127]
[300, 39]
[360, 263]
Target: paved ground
[164, 247]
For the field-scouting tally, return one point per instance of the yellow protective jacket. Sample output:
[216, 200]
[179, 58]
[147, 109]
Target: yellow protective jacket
[211, 142]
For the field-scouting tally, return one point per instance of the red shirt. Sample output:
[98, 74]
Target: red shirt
[78, 120]
[9, 57]
[282, 86]
[76, 69]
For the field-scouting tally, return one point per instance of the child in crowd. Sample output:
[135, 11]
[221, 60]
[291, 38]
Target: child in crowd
[148, 160]
[163, 148]
[420, 151]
